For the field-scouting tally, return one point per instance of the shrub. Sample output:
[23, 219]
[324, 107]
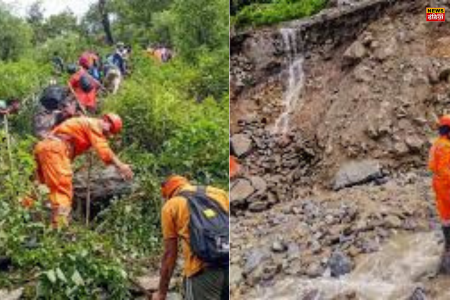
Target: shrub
[277, 11]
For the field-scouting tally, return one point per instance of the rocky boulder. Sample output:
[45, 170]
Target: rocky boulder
[357, 172]
[104, 184]
[241, 190]
[241, 144]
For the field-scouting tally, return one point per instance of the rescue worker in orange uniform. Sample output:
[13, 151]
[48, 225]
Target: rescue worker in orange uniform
[68, 140]
[84, 85]
[439, 164]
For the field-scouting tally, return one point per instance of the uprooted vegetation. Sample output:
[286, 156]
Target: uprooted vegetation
[176, 121]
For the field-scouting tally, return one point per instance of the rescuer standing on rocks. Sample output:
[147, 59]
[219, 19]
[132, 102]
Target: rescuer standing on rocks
[439, 164]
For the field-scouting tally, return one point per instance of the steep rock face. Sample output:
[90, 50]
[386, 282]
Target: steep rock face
[371, 91]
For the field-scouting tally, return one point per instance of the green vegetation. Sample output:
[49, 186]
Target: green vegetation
[176, 121]
[266, 12]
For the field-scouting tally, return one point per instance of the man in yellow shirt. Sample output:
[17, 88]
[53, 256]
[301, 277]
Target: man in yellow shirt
[202, 281]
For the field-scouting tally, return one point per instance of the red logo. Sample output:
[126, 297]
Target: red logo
[435, 14]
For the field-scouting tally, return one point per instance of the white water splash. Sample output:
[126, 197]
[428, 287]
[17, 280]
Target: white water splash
[296, 81]
[390, 274]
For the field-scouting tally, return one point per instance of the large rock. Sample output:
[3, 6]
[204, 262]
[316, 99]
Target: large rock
[104, 184]
[357, 172]
[241, 144]
[241, 190]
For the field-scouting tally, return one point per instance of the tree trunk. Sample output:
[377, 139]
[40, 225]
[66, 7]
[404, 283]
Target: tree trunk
[105, 21]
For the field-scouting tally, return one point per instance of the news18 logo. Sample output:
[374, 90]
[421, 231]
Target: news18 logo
[435, 14]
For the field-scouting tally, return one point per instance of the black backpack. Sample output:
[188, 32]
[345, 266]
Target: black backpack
[53, 95]
[208, 228]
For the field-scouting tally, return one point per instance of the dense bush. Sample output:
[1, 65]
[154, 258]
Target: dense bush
[15, 36]
[258, 14]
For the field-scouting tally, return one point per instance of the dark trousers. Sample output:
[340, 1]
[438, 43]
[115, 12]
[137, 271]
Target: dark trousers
[209, 284]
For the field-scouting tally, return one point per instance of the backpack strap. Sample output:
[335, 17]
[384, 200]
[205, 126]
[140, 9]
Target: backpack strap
[201, 190]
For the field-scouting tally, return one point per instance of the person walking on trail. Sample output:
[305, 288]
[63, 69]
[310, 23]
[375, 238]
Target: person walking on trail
[84, 86]
[57, 104]
[58, 63]
[198, 217]
[67, 141]
[439, 164]
[118, 58]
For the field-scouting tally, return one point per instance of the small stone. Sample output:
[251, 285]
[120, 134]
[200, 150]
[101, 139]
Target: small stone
[339, 264]
[355, 53]
[241, 190]
[293, 251]
[259, 184]
[257, 206]
[279, 247]
[241, 144]
[255, 258]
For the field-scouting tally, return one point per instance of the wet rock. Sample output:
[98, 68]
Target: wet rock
[241, 190]
[355, 53]
[235, 275]
[279, 247]
[357, 172]
[241, 144]
[339, 264]
[258, 206]
[255, 258]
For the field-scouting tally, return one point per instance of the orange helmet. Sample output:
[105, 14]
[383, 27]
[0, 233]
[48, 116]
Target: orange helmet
[116, 122]
[172, 184]
[444, 121]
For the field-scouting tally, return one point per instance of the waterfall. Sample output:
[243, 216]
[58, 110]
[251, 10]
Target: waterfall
[296, 81]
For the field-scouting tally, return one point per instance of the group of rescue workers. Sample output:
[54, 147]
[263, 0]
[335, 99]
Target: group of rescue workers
[193, 216]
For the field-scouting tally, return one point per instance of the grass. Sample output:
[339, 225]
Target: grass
[260, 14]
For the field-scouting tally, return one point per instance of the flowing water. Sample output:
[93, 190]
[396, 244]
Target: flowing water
[393, 273]
[296, 80]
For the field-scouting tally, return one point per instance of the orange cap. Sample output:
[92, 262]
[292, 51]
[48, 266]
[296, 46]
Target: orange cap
[116, 122]
[172, 183]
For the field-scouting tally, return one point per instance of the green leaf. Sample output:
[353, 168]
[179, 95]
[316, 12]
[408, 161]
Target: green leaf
[51, 276]
[77, 279]
[61, 275]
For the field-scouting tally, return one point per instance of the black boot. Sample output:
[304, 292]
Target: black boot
[445, 263]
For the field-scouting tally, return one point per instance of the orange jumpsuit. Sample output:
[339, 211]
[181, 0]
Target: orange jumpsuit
[234, 166]
[439, 164]
[55, 154]
[87, 99]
